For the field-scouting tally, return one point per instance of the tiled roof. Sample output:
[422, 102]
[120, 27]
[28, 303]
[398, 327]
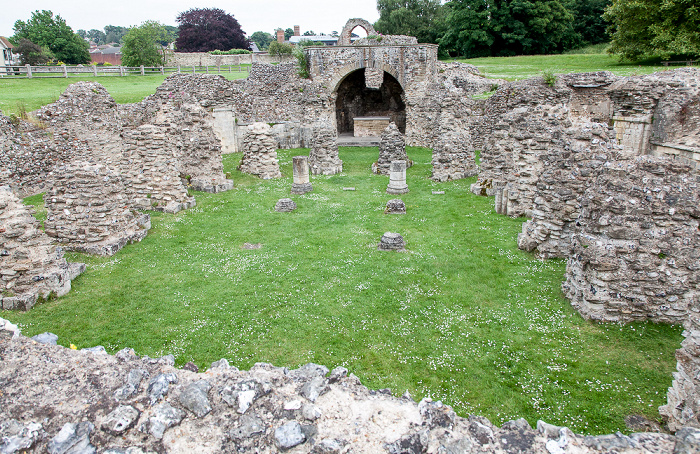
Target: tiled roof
[6, 43]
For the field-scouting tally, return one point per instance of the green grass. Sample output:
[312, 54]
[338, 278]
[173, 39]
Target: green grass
[17, 95]
[523, 67]
[462, 316]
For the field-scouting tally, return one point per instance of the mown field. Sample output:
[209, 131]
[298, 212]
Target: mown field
[462, 316]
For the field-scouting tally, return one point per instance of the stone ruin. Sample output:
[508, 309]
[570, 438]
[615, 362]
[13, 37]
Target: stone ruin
[88, 211]
[453, 158]
[285, 205]
[323, 157]
[130, 404]
[31, 266]
[395, 206]
[391, 241]
[260, 154]
[392, 147]
[569, 168]
[635, 251]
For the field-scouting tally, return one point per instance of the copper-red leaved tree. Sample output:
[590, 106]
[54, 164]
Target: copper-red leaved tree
[206, 29]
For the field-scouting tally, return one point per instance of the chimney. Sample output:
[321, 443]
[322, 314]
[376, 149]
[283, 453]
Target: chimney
[297, 31]
[280, 36]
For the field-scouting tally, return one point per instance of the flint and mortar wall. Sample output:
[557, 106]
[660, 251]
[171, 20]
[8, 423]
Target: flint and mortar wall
[635, 254]
[124, 403]
[31, 267]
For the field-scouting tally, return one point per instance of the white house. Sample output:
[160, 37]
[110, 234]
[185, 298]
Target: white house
[8, 56]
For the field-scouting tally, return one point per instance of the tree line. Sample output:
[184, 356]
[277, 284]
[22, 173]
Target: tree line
[636, 29]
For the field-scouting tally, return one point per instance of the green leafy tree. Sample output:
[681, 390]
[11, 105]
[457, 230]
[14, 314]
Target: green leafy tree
[53, 33]
[647, 28]
[32, 54]
[424, 19]
[114, 33]
[309, 33]
[589, 23]
[288, 33]
[142, 45]
[279, 49]
[477, 28]
[82, 33]
[262, 39]
[97, 36]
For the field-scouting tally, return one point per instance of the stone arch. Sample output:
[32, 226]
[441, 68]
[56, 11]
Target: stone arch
[352, 99]
[351, 25]
[344, 71]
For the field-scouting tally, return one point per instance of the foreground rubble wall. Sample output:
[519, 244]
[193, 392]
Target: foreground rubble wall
[56, 397]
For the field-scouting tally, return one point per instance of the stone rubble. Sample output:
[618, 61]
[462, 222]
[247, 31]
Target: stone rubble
[323, 157]
[259, 153]
[55, 397]
[395, 206]
[285, 205]
[391, 241]
[87, 211]
[31, 266]
[453, 158]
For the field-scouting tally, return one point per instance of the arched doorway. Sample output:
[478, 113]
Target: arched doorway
[351, 25]
[354, 99]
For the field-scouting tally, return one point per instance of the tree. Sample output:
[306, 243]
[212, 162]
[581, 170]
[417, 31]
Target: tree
[82, 33]
[279, 49]
[262, 39]
[589, 23]
[647, 28]
[309, 33]
[477, 28]
[424, 19]
[97, 36]
[53, 33]
[288, 33]
[114, 34]
[32, 54]
[207, 29]
[141, 45]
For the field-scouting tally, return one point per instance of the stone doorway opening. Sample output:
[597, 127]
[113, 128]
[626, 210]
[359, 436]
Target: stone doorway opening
[355, 99]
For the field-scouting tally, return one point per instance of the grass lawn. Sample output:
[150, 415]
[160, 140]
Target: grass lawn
[523, 67]
[462, 316]
[30, 94]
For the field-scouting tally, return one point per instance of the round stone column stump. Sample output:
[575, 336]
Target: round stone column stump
[397, 178]
[300, 169]
[391, 242]
[285, 205]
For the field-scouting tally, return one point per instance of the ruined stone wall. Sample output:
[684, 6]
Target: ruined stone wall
[323, 156]
[151, 173]
[31, 266]
[87, 210]
[569, 168]
[635, 254]
[683, 407]
[126, 403]
[259, 153]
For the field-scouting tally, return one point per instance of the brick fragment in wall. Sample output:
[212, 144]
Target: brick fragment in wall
[88, 210]
[259, 152]
[392, 147]
[636, 253]
[569, 168]
[31, 266]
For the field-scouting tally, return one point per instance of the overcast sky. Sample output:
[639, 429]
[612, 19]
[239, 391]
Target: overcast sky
[253, 15]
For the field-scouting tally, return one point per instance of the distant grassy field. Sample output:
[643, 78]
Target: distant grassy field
[462, 316]
[523, 67]
[30, 94]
